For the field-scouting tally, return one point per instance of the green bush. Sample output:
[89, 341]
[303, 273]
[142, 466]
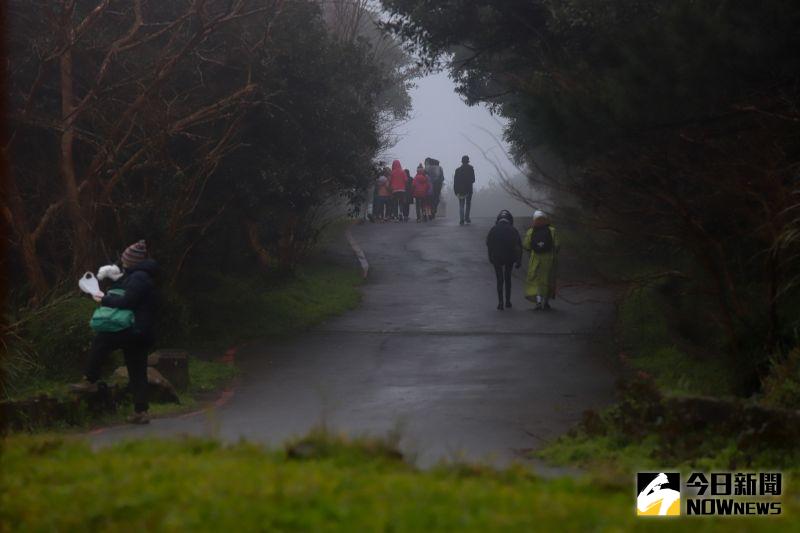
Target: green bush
[781, 387]
[49, 343]
[234, 309]
[655, 345]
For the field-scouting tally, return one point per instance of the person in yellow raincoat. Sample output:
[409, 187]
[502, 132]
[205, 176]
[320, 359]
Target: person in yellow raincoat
[541, 241]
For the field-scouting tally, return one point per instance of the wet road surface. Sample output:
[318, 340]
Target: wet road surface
[427, 354]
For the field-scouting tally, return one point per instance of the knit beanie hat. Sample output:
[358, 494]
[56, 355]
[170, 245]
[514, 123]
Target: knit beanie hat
[134, 254]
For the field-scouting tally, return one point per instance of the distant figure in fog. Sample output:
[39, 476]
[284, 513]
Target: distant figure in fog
[383, 195]
[409, 195]
[421, 193]
[463, 180]
[505, 252]
[436, 176]
[541, 241]
[397, 182]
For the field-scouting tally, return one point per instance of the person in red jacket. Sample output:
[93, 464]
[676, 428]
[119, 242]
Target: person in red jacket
[421, 183]
[397, 181]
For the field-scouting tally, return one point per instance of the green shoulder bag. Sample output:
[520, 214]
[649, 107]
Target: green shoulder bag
[111, 319]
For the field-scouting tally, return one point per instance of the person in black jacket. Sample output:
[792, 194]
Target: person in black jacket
[135, 342]
[462, 187]
[505, 251]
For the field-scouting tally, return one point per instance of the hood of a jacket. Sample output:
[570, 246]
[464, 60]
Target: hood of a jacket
[148, 265]
[396, 165]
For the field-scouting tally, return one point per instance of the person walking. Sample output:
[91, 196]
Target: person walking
[505, 251]
[420, 192]
[541, 240]
[384, 194]
[397, 182]
[429, 199]
[436, 176]
[463, 180]
[136, 292]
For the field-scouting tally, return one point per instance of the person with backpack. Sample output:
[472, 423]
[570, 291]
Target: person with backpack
[505, 251]
[421, 193]
[131, 300]
[436, 176]
[541, 241]
[463, 180]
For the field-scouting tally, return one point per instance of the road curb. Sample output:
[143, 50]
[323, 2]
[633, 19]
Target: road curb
[362, 257]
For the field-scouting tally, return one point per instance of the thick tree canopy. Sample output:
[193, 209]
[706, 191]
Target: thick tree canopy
[210, 128]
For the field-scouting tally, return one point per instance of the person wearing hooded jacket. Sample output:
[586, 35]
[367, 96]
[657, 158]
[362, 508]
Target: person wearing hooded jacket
[541, 240]
[138, 282]
[505, 251]
[421, 184]
[397, 183]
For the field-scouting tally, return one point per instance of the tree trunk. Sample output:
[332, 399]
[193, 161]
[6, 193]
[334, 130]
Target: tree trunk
[286, 244]
[15, 215]
[262, 255]
[80, 228]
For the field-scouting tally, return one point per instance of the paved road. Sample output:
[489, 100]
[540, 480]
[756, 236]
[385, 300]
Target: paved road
[427, 353]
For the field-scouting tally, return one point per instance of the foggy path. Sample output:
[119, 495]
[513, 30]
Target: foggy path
[426, 353]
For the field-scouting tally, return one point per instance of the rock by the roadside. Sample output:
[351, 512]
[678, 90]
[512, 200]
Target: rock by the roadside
[160, 390]
[173, 365]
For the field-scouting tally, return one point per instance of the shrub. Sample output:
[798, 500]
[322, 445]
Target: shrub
[781, 387]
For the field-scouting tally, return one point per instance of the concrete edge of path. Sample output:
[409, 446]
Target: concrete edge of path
[362, 257]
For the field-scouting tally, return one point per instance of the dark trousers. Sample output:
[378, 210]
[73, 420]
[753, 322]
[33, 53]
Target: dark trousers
[398, 203]
[420, 208]
[464, 206]
[503, 273]
[135, 348]
[380, 207]
[437, 196]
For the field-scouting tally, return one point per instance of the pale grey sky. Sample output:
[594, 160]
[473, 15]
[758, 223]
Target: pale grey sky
[442, 125]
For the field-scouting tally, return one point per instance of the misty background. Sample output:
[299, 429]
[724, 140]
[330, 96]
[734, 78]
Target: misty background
[442, 126]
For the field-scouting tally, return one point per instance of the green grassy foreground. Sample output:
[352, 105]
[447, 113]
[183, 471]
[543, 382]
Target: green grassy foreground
[55, 483]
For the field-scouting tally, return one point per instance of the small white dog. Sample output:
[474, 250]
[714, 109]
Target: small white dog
[111, 272]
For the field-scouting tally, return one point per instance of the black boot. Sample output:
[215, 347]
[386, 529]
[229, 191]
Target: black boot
[508, 304]
[500, 306]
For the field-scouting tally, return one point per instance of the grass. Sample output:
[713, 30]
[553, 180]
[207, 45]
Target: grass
[58, 483]
[240, 309]
[651, 345]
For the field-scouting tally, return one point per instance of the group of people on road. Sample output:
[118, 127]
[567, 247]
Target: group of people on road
[395, 190]
[505, 248]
